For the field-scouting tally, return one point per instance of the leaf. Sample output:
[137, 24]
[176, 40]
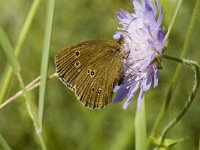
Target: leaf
[9, 51]
[45, 58]
[170, 142]
[166, 143]
[4, 143]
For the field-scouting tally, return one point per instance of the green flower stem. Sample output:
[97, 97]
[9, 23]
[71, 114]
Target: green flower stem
[173, 19]
[32, 85]
[195, 66]
[140, 128]
[183, 55]
[174, 81]
[7, 77]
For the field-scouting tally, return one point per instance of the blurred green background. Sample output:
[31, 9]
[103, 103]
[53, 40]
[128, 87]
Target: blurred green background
[67, 124]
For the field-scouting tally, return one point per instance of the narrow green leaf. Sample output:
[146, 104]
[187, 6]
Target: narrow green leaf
[45, 56]
[140, 128]
[170, 142]
[167, 143]
[4, 144]
[8, 74]
[5, 82]
[155, 139]
[9, 51]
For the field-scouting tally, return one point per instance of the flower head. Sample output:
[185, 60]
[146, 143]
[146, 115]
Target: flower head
[144, 41]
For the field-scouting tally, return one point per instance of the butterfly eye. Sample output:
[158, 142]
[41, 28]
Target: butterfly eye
[92, 88]
[88, 71]
[77, 54]
[77, 64]
[92, 73]
[99, 91]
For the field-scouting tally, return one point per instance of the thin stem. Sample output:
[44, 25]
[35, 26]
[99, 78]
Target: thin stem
[31, 111]
[184, 52]
[195, 66]
[29, 87]
[41, 141]
[26, 26]
[173, 19]
[32, 85]
[21, 82]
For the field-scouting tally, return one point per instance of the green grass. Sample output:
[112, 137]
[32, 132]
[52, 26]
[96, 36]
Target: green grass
[32, 33]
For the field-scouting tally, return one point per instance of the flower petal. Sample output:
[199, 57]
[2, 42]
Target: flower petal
[161, 35]
[156, 75]
[147, 83]
[140, 97]
[121, 94]
[159, 21]
[149, 10]
[131, 94]
[121, 14]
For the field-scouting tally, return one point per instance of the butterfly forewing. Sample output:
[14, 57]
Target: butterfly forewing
[91, 68]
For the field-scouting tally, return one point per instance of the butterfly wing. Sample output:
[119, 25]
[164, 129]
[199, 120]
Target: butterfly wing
[91, 69]
[69, 62]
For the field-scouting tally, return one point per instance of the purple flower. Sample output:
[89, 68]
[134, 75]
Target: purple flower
[144, 41]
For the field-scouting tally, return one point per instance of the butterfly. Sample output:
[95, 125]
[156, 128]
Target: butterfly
[91, 69]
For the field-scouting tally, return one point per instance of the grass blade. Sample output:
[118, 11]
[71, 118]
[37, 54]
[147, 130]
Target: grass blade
[4, 144]
[9, 51]
[5, 82]
[45, 56]
[10, 54]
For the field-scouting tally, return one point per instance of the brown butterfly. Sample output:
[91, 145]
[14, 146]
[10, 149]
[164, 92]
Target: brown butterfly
[91, 69]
